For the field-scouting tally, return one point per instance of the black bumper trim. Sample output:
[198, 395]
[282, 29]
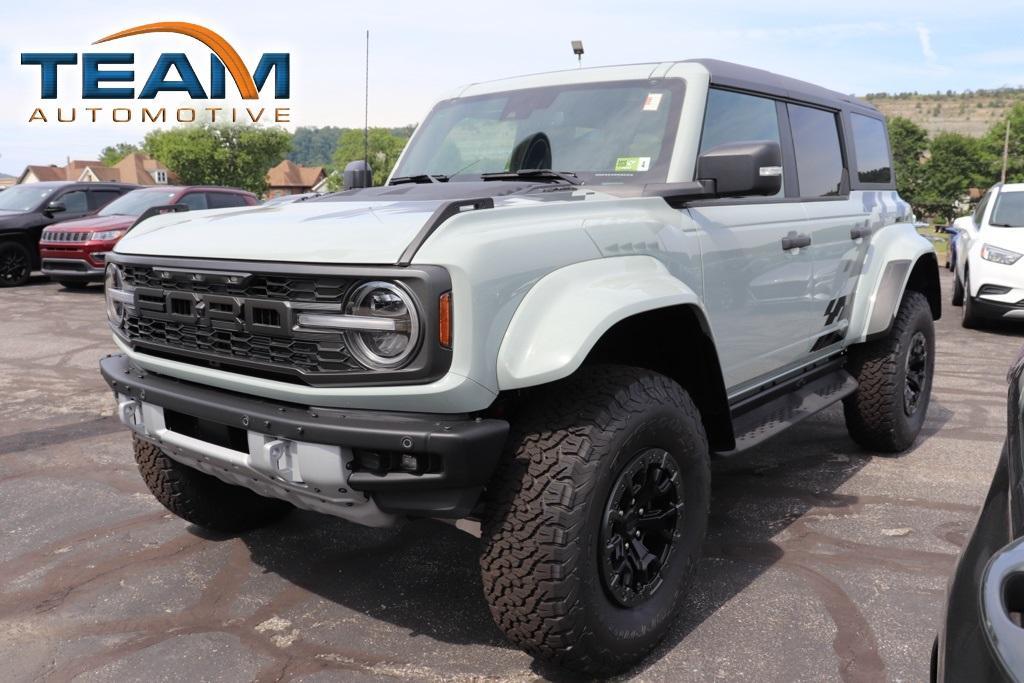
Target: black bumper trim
[992, 310]
[467, 447]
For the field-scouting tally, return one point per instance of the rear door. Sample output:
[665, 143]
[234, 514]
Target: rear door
[842, 220]
[834, 216]
[101, 197]
[757, 292]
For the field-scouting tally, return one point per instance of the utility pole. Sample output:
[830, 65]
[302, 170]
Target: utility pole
[366, 104]
[1006, 148]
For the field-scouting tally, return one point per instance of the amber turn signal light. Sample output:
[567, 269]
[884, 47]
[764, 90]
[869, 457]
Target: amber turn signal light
[444, 320]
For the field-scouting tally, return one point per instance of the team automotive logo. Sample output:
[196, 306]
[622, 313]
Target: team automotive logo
[104, 77]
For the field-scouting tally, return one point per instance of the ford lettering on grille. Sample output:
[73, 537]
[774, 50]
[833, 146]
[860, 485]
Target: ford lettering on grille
[257, 316]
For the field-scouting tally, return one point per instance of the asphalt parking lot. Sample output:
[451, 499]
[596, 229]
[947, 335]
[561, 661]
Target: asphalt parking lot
[824, 562]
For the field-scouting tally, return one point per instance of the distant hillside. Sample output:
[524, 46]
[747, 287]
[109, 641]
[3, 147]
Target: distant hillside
[970, 113]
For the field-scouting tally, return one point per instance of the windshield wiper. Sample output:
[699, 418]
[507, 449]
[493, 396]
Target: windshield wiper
[421, 178]
[1003, 225]
[534, 174]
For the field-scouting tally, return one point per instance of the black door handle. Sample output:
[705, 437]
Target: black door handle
[795, 241]
[857, 233]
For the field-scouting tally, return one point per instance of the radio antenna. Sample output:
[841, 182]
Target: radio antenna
[366, 103]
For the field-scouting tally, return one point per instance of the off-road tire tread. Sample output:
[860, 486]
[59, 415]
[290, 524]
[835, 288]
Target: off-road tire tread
[869, 411]
[202, 499]
[530, 529]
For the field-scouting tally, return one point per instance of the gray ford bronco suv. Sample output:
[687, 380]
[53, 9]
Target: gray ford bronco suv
[575, 290]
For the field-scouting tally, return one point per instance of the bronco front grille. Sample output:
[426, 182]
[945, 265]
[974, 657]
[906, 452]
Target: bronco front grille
[244, 317]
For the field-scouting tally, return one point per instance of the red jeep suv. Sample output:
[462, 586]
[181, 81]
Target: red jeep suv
[73, 252]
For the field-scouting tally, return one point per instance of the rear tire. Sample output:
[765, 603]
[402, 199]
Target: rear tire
[201, 499]
[895, 375]
[15, 264]
[565, 575]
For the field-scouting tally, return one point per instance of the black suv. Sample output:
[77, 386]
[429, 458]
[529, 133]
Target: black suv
[26, 209]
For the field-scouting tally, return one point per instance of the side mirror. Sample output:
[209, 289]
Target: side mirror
[56, 206]
[357, 174]
[742, 168]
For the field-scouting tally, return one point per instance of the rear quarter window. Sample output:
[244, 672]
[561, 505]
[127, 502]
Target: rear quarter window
[871, 148]
[224, 200]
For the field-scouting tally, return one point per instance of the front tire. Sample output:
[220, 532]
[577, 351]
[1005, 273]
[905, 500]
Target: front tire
[15, 264]
[74, 285]
[596, 518]
[895, 376]
[201, 499]
[969, 317]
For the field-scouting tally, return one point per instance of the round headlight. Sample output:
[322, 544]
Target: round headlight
[113, 280]
[392, 325]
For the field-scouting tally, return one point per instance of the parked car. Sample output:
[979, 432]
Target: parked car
[988, 281]
[980, 637]
[576, 289]
[73, 253]
[26, 209]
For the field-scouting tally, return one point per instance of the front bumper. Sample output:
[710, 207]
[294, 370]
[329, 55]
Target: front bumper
[313, 456]
[74, 261]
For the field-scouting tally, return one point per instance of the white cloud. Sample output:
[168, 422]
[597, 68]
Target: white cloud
[924, 36]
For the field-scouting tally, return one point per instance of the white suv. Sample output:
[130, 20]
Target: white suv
[988, 280]
[575, 290]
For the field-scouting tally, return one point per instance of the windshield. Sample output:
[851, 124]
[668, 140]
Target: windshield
[1008, 211]
[136, 202]
[22, 198]
[613, 132]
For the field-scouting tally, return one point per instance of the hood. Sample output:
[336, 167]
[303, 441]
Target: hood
[97, 223]
[1005, 238]
[372, 226]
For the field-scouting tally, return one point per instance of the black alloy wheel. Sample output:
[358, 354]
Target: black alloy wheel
[642, 519]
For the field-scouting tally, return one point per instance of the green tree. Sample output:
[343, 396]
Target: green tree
[114, 153]
[314, 146]
[956, 163]
[992, 144]
[220, 154]
[909, 143]
[384, 148]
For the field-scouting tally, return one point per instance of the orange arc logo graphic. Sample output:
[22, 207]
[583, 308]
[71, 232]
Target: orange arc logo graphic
[222, 48]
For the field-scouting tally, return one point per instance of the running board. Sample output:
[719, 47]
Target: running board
[767, 420]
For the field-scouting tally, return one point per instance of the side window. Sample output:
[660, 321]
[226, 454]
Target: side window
[819, 158]
[101, 198]
[738, 117]
[979, 211]
[224, 200]
[75, 201]
[195, 201]
[873, 162]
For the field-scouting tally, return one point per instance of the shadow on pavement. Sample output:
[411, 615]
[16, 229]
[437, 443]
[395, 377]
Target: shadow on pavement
[424, 577]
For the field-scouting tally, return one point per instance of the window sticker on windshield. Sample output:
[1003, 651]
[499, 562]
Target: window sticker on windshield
[633, 164]
[652, 102]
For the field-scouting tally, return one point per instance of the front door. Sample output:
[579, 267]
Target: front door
[757, 276]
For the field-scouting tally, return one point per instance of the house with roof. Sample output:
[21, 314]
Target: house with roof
[136, 168]
[290, 178]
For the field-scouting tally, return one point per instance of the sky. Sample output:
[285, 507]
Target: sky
[421, 51]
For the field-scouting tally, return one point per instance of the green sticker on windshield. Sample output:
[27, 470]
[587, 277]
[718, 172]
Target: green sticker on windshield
[632, 164]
